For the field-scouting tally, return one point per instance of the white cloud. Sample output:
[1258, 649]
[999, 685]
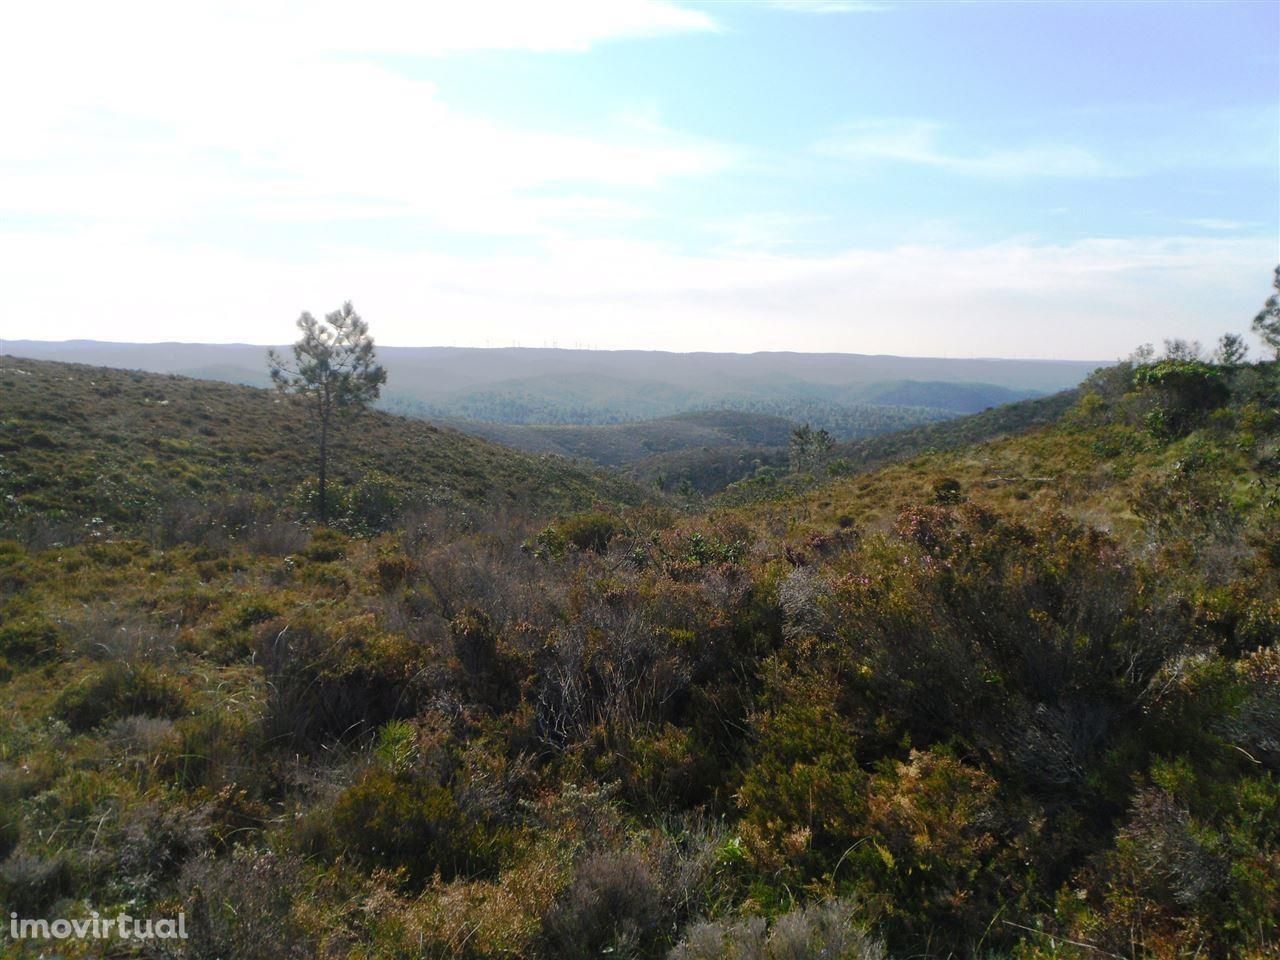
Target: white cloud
[829, 6]
[160, 112]
[1217, 224]
[917, 142]
[761, 231]
[445, 28]
[81, 28]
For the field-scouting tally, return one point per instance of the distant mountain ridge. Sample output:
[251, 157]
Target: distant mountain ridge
[530, 385]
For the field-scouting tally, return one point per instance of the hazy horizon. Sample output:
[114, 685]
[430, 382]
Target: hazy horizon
[6, 342]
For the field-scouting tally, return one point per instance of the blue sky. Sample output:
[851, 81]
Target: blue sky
[1034, 180]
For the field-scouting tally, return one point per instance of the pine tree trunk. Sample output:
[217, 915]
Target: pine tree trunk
[324, 463]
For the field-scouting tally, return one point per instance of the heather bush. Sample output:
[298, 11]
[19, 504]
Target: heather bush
[662, 768]
[943, 851]
[488, 673]
[216, 749]
[30, 884]
[609, 667]
[101, 632]
[611, 908]
[216, 522]
[1254, 725]
[822, 931]
[11, 790]
[140, 741]
[1188, 503]
[15, 568]
[804, 795]
[393, 570]
[982, 620]
[1192, 869]
[242, 906]
[10, 830]
[148, 846]
[947, 491]
[1169, 857]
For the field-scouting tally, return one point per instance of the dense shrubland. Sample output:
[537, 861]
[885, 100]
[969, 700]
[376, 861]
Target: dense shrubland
[1013, 699]
[585, 412]
[702, 452]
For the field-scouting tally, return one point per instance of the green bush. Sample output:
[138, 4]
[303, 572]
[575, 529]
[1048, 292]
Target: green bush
[947, 491]
[703, 551]
[1185, 391]
[804, 795]
[585, 531]
[330, 681]
[399, 821]
[369, 505]
[116, 690]
[397, 746]
[326, 546]
[29, 639]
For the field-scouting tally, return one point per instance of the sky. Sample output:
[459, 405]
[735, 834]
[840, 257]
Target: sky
[1054, 180]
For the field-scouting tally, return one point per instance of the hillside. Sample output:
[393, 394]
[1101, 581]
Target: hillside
[624, 443]
[1016, 696]
[541, 386]
[90, 444]
[1009, 418]
[742, 473]
[707, 452]
[708, 471]
[847, 410]
[952, 397]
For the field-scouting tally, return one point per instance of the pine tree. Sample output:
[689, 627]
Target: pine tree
[1267, 323]
[334, 371]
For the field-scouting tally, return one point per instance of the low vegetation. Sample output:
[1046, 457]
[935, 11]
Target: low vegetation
[1013, 694]
[92, 449]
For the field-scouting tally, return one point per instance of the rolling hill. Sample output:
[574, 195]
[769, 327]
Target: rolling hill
[742, 472]
[81, 443]
[513, 385]
[624, 443]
